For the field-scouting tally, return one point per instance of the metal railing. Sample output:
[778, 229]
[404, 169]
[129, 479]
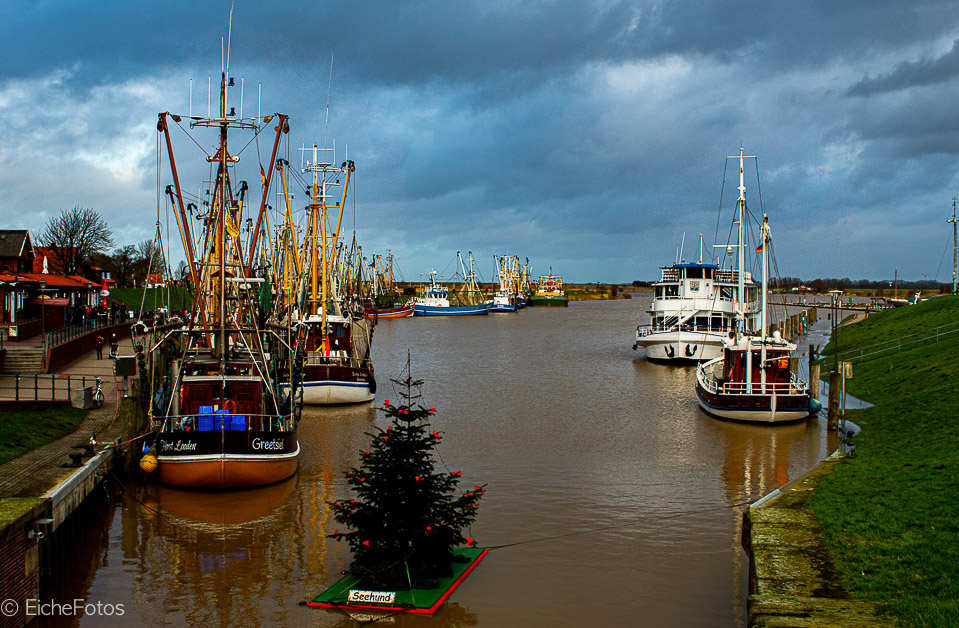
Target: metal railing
[218, 421]
[896, 345]
[645, 330]
[59, 336]
[43, 387]
[780, 389]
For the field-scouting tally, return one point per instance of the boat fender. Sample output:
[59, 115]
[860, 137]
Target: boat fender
[372, 383]
[814, 406]
[148, 463]
[670, 352]
[691, 352]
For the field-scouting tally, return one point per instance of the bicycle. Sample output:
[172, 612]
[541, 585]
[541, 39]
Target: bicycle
[98, 393]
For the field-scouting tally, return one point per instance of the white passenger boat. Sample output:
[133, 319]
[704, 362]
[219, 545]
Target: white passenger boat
[693, 310]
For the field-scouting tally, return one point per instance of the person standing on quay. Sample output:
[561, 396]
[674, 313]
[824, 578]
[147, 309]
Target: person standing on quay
[99, 344]
[113, 346]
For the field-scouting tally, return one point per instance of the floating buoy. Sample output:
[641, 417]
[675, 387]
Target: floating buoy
[814, 406]
[148, 463]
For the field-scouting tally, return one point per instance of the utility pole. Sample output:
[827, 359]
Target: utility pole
[953, 221]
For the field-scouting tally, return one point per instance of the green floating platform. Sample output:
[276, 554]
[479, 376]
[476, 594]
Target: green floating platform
[423, 601]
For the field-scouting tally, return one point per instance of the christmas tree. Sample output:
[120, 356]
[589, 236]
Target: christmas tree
[405, 517]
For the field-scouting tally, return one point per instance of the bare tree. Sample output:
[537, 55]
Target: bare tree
[149, 260]
[73, 235]
[182, 271]
[123, 262]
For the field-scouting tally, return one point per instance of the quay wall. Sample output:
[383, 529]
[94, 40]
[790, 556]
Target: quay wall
[19, 557]
[29, 525]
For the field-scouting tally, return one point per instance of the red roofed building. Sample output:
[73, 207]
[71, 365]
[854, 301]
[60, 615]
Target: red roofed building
[31, 290]
[155, 280]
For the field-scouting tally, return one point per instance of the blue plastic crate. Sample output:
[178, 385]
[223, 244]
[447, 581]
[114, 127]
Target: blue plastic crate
[238, 423]
[208, 423]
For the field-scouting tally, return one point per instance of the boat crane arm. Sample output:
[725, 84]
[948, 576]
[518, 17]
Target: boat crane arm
[180, 208]
[282, 126]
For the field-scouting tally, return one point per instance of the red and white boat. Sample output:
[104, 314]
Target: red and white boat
[753, 380]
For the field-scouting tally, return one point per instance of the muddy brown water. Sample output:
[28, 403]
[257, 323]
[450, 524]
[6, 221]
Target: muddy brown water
[619, 500]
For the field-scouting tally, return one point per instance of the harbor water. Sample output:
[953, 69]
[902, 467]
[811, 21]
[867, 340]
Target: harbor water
[617, 499]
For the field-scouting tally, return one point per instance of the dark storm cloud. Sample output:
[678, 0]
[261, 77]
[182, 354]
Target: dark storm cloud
[929, 71]
[591, 134]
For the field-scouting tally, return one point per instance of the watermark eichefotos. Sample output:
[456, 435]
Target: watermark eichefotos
[52, 608]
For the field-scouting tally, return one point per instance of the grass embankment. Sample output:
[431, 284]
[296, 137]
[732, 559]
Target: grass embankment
[23, 431]
[890, 513]
[177, 298]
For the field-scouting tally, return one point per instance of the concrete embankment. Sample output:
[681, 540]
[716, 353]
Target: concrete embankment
[41, 489]
[792, 580]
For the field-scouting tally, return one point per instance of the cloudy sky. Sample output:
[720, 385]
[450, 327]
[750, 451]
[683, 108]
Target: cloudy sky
[587, 135]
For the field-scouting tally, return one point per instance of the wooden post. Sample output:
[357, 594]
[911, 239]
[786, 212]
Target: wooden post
[835, 392]
[814, 381]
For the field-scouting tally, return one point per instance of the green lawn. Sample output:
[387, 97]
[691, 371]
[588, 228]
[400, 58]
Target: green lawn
[177, 298]
[24, 430]
[890, 513]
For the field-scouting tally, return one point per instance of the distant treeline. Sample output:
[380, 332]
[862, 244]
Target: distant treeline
[928, 286]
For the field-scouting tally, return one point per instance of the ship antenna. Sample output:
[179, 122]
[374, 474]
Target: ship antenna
[229, 34]
[329, 90]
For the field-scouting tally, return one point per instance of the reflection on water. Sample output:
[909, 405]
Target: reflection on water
[619, 500]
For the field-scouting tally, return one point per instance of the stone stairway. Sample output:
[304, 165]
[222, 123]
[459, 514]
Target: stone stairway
[25, 361]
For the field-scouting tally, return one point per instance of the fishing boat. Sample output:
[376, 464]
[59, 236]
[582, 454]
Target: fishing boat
[335, 331]
[385, 300]
[549, 292]
[693, 310]
[467, 300]
[753, 379]
[219, 413]
[506, 297]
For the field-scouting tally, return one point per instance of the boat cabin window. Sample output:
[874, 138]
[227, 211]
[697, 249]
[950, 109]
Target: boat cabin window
[751, 292]
[727, 294]
[670, 292]
[698, 272]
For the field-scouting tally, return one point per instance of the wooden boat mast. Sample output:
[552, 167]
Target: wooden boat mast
[741, 297]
